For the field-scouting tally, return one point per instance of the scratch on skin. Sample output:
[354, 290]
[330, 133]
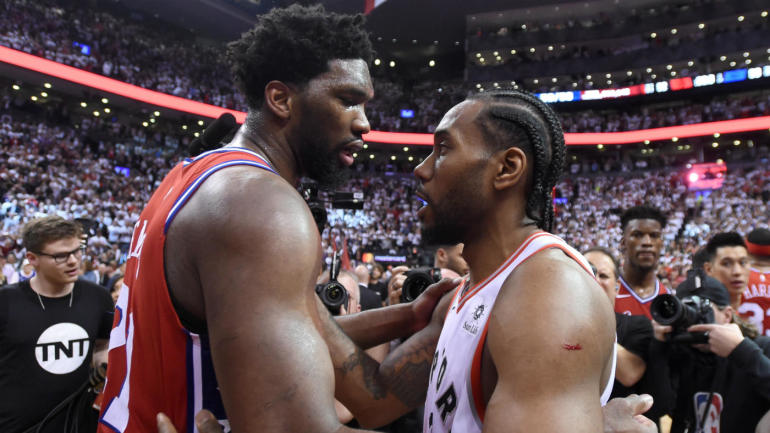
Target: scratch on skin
[572, 346]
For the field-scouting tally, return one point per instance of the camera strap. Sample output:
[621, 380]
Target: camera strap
[719, 379]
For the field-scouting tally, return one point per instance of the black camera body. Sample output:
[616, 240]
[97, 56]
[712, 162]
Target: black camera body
[680, 314]
[333, 294]
[417, 280]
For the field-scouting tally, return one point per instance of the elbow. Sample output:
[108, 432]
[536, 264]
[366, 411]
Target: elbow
[630, 375]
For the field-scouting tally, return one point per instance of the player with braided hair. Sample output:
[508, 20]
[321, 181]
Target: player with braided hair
[529, 333]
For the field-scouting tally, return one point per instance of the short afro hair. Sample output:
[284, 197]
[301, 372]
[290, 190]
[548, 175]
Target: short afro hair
[294, 45]
[642, 213]
[725, 239]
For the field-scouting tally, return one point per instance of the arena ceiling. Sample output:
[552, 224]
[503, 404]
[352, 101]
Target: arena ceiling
[411, 31]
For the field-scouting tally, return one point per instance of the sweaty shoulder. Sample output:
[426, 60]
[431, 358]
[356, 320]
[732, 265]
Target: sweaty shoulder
[246, 216]
[551, 305]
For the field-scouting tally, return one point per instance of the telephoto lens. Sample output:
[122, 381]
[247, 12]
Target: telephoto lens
[417, 280]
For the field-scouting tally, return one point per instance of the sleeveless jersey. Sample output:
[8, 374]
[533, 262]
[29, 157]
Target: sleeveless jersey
[155, 364]
[629, 303]
[755, 302]
[454, 401]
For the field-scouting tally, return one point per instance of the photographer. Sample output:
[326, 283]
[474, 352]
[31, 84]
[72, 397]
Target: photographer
[447, 258]
[710, 371]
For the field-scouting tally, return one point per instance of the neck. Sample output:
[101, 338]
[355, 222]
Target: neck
[640, 280]
[735, 300]
[261, 136]
[48, 289]
[492, 246]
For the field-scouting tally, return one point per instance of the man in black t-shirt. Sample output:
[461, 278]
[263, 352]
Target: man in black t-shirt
[50, 326]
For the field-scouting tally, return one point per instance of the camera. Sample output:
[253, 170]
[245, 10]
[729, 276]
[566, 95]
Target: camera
[333, 294]
[680, 314]
[417, 280]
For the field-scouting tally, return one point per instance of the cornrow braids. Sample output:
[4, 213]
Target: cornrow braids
[516, 118]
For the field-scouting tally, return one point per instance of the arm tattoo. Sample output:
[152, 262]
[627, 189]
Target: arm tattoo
[369, 371]
[407, 374]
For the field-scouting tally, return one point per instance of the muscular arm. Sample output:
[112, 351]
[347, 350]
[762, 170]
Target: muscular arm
[378, 393]
[256, 261]
[550, 338]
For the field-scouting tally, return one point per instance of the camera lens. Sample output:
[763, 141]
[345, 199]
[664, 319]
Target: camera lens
[666, 309]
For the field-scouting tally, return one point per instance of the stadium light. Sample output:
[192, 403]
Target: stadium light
[47, 85]
[98, 82]
[15, 87]
[693, 177]
[33, 97]
[377, 62]
[105, 101]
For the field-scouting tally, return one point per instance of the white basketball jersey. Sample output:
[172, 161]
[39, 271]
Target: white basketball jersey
[454, 402]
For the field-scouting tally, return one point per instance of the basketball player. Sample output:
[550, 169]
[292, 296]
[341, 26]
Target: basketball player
[758, 290]
[728, 262]
[528, 343]
[641, 243]
[219, 308]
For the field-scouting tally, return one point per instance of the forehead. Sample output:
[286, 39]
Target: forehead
[645, 225]
[460, 119]
[61, 245]
[350, 73]
[600, 261]
[734, 252]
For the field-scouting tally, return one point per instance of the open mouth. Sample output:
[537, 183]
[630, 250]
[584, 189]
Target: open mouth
[347, 154]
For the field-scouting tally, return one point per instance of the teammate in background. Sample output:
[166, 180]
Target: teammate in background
[53, 328]
[641, 244]
[218, 308]
[755, 304]
[634, 333]
[728, 262]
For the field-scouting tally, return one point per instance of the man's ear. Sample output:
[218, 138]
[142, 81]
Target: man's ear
[708, 268]
[441, 256]
[511, 168]
[278, 99]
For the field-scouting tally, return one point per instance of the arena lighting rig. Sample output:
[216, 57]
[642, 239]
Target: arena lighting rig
[105, 84]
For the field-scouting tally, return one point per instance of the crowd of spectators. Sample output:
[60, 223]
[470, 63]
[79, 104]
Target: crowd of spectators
[68, 171]
[123, 47]
[126, 48]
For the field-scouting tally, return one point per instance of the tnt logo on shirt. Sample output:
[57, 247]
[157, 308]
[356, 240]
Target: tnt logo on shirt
[62, 348]
[713, 418]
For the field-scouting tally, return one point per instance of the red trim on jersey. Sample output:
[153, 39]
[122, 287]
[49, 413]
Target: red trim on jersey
[511, 259]
[476, 389]
[757, 249]
[458, 289]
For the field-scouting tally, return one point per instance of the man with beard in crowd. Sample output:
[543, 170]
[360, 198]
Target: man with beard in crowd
[641, 244]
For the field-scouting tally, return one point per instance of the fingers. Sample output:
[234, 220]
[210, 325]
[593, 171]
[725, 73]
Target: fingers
[639, 403]
[443, 286]
[702, 327]
[398, 270]
[164, 424]
[207, 423]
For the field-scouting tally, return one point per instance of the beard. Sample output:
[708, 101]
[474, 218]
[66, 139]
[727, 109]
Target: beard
[322, 163]
[456, 215]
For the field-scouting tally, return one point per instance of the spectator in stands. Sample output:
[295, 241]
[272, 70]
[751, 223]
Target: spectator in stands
[758, 290]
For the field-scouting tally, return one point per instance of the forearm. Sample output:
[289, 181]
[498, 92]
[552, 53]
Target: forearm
[630, 367]
[378, 393]
[373, 327]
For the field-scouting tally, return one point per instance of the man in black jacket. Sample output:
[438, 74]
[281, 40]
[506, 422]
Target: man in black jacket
[721, 385]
